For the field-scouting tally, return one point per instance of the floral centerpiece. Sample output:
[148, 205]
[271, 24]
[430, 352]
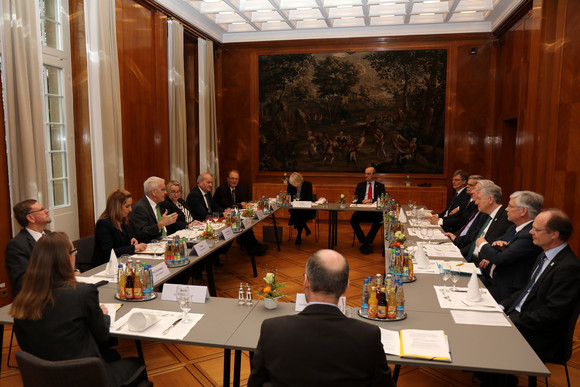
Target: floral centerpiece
[285, 178]
[208, 232]
[272, 288]
[399, 240]
[248, 212]
[341, 199]
[408, 181]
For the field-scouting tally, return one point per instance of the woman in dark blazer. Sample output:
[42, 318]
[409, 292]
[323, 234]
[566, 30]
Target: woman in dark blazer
[300, 188]
[112, 231]
[174, 203]
[56, 318]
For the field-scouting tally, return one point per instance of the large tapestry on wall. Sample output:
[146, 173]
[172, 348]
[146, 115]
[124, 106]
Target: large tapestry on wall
[340, 112]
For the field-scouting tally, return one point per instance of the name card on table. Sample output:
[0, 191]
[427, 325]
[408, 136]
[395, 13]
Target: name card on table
[302, 204]
[159, 272]
[200, 249]
[227, 233]
[301, 303]
[274, 207]
[260, 215]
[197, 294]
[247, 222]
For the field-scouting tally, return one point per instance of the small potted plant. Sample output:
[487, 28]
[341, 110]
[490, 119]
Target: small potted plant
[285, 178]
[408, 181]
[271, 291]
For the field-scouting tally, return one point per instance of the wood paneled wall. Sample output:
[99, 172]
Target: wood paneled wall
[142, 46]
[469, 100]
[538, 105]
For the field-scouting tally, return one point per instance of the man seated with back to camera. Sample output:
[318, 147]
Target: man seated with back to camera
[233, 193]
[320, 346]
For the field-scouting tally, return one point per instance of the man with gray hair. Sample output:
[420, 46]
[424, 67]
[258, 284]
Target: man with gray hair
[492, 222]
[146, 222]
[328, 348]
[510, 258]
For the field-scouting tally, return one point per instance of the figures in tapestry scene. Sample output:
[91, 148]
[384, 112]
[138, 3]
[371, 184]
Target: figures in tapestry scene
[404, 149]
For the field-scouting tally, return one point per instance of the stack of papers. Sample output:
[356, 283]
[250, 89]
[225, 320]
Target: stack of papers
[416, 343]
[458, 300]
[446, 250]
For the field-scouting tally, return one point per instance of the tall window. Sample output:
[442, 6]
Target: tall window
[56, 67]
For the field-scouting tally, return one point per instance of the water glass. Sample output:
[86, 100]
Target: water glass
[455, 277]
[183, 297]
[445, 275]
[355, 199]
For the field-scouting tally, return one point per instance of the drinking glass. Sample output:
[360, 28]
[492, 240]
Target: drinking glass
[216, 217]
[423, 231]
[429, 234]
[445, 275]
[183, 297]
[355, 199]
[454, 278]
[297, 197]
[154, 246]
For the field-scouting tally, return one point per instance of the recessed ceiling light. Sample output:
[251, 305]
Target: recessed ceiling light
[386, 15]
[264, 10]
[467, 11]
[347, 17]
[273, 21]
[303, 9]
[311, 19]
[239, 23]
[226, 13]
[427, 14]
[211, 1]
[344, 6]
[431, 1]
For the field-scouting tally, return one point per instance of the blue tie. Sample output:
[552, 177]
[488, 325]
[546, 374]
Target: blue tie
[531, 284]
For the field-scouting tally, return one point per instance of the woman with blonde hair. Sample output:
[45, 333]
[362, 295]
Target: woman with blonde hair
[302, 190]
[174, 203]
[57, 318]
[112, 230]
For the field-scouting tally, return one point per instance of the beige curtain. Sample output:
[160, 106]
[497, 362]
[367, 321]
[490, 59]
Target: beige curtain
[208, 141]
[104, 100]
[23, 102]
[177, 113]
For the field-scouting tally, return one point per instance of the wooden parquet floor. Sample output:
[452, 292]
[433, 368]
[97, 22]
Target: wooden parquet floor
[169, 365]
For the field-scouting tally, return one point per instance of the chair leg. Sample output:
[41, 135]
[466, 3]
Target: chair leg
[16, 367]
[567, 375]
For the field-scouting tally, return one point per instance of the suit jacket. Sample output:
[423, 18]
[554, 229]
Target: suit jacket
[18, 252]
[462, 241]
[223, 195]
[498, 227]
[319, 347]
[453, 223]
[108, 238]
[69, 329]
[143, 222]
[513, 263]
[196, 204]
[460, 201]
[545, 314]
[171, 208]
[361, 191]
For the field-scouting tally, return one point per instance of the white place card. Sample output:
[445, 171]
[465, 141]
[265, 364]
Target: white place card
[159, 272]
[247, 222]
[200, 249]
[198, 294]
[227, 233]
[302, 204]
[301, 303]
[260, 215]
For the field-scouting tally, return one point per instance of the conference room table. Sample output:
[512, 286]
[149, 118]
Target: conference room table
[333, 210]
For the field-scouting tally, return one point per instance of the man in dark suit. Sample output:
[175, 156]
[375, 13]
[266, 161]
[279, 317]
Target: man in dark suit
[510, 258]
[232, 192]
[543, 308]
[33, 218]
[491, 223]
[292, 351]
[146, 221]
[459, 199]
[367, 192]
[460, 215]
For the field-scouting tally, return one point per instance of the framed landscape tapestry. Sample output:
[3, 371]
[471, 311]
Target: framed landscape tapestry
[340, 112]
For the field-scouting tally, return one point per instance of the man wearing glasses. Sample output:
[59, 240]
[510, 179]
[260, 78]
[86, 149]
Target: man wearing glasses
[33, 218]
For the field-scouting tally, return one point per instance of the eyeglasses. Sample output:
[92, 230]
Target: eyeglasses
[510, 206]
[456, 179]
[539, 229]
[175, 192]
[32, 212]
[74, 251]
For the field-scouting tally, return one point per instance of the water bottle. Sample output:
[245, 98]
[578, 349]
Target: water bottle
[249, 301]
[241, 300]
[364, 303]
[400, 300]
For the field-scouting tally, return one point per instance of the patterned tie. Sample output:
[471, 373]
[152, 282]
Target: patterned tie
[158, 212]
[234, 195]
[467, 224]
[525, 293]
[370, 193]
[480, 233]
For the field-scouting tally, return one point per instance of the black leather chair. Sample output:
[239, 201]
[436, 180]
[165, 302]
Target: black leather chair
[567, 354]
[86, 372]
[85, 247]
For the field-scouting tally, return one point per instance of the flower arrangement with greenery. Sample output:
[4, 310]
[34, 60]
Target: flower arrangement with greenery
[249, 212]
[208, 233]
[341, 199]
[272, 288]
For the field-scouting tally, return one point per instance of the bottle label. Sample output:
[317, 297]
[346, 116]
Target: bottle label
[382, 311]
[392, 312]
[372, 310]
[122, 292]
[128, 292]
[138, 293]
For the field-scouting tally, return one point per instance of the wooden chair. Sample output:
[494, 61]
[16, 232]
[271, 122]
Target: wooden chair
[88, 372]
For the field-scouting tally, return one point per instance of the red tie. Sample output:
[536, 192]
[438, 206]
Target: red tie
[370, 194]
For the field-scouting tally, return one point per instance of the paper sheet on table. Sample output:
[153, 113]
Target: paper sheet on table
[361, 205]
[178, 332]
[446, 250]
[391, 342]
[103, 274]
[461, 266]
[88, 280]
[421, 222]
[437, 234]
[153, 248]
[112, 309]
[425, 344]
[456, 300]
[432, 269]
[480, 318]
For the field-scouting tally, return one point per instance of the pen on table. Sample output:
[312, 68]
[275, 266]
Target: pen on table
[460, 264]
